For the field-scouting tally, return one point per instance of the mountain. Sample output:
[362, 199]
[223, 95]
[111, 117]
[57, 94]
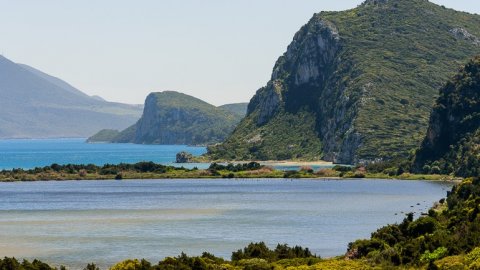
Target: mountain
[236, 108]
[36, 105]
[452, 143]
[104, 135]
[357, 85]
[174, 118]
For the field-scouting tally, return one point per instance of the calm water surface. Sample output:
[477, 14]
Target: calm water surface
[28, 154]
[76, 222]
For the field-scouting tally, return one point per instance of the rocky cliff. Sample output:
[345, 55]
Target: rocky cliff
[355, 86]
[174, 118]
[452, 142]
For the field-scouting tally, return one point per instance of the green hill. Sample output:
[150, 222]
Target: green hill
[452, 143]
[356, 85]
[236, 108]
[104, 135]
[174, 118]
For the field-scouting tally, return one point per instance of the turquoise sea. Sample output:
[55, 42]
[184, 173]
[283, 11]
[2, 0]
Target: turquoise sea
[28, 154]
[76, 222]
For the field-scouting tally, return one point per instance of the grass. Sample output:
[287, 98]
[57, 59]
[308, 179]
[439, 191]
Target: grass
[133, 171]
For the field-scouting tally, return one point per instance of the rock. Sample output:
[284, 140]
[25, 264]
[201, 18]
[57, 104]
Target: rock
[463, 34]
[183, 157]
[344, 92]
[451, 144]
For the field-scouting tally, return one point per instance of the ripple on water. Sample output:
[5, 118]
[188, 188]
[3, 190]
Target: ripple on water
[73, 223]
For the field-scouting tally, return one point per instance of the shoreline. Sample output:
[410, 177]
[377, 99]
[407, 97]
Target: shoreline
[277, 163]
[454, 181]
[273, 163]
[150, 170]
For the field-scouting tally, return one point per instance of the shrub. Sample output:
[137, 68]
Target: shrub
[451, 263]
[435, 170]
[339, 168]
[422, 226]
[127, 265]
[326, 173]
[307, 169]
[439, 253]
[472, 259]
[255, 264]
[91, 266]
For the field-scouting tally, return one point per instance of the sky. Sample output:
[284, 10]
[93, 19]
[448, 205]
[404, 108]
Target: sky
[221, 51]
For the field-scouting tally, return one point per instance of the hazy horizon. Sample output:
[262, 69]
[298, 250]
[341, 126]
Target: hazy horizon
[217, 51]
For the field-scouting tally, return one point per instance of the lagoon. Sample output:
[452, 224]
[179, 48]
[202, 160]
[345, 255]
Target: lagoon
[76, 222]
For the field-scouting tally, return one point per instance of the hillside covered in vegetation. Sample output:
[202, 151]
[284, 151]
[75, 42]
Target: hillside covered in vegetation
[236, 108]
[452, 143]
[356, 85]
[448, 236]
[171, 117]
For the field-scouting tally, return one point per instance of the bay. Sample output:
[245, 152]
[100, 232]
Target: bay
[28, 154]
[76, 222]
[31, 153]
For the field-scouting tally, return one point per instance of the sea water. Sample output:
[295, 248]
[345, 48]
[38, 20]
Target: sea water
[77, 222]
[28, 154]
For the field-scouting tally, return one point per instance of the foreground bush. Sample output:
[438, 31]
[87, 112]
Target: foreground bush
[454, 229]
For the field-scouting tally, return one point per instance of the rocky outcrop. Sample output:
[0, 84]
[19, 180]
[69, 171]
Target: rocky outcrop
[358, 84]
[183, 157]
[452, 142]
[267, 102]
[463, 34]
[174, 118]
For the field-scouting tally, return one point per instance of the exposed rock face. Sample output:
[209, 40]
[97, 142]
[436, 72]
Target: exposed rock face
[452, 142]
[154, 127]
[183, 157]
[355, 86]
[268, 101]
[462, 33]
[174, 118]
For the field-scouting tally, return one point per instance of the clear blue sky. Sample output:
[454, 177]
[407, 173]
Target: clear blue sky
[221, 51]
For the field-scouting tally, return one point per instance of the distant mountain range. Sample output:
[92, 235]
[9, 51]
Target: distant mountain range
[171, 117]
[37, 105]
[355, 86]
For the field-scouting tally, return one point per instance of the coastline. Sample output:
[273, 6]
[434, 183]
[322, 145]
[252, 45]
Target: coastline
[293, 163]
[251, 170]
[433, 178]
